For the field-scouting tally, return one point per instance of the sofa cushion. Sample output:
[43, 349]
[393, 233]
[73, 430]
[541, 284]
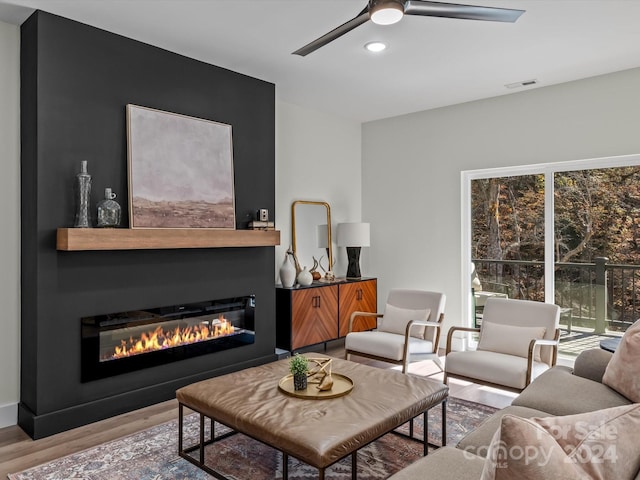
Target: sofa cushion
[509, 339]
[558, 392]
[521, 449]
[395, 320]
[477, 441]
[598, 445]
[492, 367]
[622, 371]
[603, 443]
[446, 463]
[384, 344]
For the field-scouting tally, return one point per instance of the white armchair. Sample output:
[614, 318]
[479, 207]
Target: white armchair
[518, 342]
[408, 330]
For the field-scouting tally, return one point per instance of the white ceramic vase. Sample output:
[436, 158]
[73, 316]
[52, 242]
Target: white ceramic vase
[287, 272]
[304, 277]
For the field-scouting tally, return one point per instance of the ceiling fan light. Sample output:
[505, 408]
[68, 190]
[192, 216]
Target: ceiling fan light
[386, 13]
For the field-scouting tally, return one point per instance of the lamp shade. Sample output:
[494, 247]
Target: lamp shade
[353, 235]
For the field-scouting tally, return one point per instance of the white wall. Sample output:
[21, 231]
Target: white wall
[10, 221]
[317, 158]
[411, 168]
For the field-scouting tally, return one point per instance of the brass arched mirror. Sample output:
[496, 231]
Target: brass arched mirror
[311, 232]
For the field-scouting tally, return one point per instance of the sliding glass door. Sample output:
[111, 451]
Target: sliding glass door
[597, 249]
[507, 238]
[565, 233]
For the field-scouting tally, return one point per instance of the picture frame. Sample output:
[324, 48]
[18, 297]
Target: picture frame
[180, 171]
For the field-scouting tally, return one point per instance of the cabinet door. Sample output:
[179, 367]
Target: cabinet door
[358, 297]
[314, 316]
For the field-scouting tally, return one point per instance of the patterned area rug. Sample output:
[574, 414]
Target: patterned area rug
[152, 454]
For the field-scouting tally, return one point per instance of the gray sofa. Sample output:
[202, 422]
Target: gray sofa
[557, 392]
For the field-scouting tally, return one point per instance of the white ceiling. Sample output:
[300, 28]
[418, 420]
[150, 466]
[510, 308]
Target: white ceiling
[430, 62]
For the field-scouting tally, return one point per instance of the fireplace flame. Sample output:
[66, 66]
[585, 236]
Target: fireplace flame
[160, 339]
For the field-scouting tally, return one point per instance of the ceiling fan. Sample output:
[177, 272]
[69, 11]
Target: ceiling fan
[386, 12]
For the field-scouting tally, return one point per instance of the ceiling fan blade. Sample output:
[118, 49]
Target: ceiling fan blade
[333, 34]
[453, 10]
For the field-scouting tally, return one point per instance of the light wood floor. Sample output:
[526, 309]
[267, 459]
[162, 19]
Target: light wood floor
[18, 452]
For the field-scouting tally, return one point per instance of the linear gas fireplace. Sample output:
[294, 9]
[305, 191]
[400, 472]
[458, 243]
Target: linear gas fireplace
[122, 342]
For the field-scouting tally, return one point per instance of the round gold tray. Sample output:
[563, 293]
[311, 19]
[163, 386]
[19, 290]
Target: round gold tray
[341, 386]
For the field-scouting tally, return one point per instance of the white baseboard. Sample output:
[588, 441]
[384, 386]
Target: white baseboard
[8, 415]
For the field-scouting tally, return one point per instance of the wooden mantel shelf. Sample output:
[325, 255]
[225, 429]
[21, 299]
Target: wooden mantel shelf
[76, 239]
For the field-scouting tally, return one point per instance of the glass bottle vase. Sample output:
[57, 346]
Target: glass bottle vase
[83, 191]
[109, 211]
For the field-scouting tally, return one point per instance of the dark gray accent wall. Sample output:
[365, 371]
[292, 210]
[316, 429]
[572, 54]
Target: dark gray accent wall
[76, 82]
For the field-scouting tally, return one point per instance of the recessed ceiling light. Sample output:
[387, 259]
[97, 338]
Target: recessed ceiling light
[375, 46]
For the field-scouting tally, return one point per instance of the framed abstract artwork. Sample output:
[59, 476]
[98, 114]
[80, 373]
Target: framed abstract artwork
[180, 171]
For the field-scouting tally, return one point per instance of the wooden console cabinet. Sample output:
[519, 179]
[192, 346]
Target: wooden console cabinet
[320, 312]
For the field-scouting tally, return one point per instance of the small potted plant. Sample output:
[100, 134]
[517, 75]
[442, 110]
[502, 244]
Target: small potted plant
[299, 367]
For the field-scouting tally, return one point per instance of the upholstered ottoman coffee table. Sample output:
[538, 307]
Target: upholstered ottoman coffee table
[317, 432]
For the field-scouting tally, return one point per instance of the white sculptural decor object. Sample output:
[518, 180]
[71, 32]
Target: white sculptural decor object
[305, 277]
[287, 271]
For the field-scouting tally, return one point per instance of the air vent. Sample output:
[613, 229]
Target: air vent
[525, 83]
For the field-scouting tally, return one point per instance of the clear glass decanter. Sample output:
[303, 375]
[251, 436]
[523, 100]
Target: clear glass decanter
[109, 211]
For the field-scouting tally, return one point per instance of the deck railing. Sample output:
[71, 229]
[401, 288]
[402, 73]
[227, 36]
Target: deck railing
[598, 295]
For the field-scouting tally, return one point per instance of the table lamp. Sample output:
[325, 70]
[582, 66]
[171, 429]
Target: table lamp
[353, 236]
